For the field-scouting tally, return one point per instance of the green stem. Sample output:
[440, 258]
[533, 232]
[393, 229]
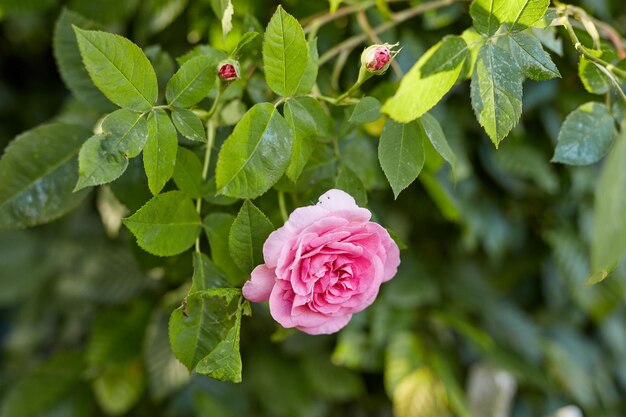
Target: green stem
[210, 127]
[591, 57]
[348, 93]
[282, 206]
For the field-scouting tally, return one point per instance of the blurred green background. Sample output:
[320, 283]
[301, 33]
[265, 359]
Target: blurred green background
[489, 306]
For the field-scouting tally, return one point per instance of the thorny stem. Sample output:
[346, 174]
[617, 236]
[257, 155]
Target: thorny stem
[398, 18]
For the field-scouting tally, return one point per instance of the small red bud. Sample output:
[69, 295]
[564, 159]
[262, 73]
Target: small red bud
[377, 58]
[228, 71]
[380, 57]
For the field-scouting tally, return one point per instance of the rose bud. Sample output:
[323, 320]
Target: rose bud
[323, 265]
[228, 70]
[377, 58]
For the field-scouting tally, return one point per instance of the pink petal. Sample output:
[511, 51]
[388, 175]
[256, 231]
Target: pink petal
[281, 303]
[260, 284]
[392, 259]
[299, 219]
[333, 200]
[332, 325]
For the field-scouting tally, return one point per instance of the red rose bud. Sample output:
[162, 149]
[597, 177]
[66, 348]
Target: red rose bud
[377, 58]
[228, 70]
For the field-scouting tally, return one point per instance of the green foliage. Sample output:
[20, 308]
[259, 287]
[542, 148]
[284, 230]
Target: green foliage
[488, 15]
[367, 110]
[401, 153]
[285, 54]
[307, 121]
[69, 61]
[97, 165]
[499, 246]
[534, 62]
[217, 226]
[159, 155]
[586, 135]
[192, 82]
[188, 125]
[432, 76]
[496, 91]
[167, 225]
[255, 155]
[38, 172]
[203, 332]
[119, 69]
[247, 234]
[188, 173]
[437, 138]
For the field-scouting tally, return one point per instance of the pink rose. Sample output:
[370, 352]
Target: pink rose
[325, 264]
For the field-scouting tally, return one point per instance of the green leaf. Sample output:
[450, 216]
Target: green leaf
[119, 68]
[488, 15]
[255, 155]
[97, 165]
[247, 236]
[103, 158]
[586, 135]
[367, 110]
[69, 61]
[245, 39]
[126, 132]
[118, 388]
[349, 182]
[188, 173]
[216, 227]
[224, 361]
[206, 275]
[594, 80]
[188, 124]
[419, 91]
[435, 134]
[197, 327]
[474, 41]
[609, 217]
[534, 62]
[310, 72]
[159, 154]
[192, 82]
[496, 91]
[285, 53]
[43, 387]
[38, 172]
[401, 153]
[307, 120]
[167, 225]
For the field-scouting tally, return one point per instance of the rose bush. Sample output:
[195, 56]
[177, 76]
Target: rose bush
[325, 264]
